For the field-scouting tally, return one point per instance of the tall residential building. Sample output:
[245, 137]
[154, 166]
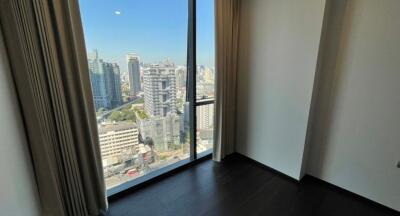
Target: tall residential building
[105, 82]
[181, 77]
[209, 75]
[205, 116]
[116, 90]
[134, 74]
[185, 122]
[159, 89]
[98, 81]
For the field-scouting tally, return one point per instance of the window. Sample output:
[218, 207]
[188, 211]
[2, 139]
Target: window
[146, 96]
[205, 75]
[164, 84]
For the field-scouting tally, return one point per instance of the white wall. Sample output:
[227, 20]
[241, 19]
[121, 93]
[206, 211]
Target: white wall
[278, 51]
[18, 194]
[355, 141]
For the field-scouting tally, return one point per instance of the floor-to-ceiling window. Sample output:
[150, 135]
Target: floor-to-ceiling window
[151, 64]
[205, 74]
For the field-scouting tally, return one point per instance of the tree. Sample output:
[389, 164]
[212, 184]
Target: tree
[116, 116]
[126, 114]
[129, 115]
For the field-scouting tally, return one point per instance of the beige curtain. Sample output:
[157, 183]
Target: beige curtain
[227, 36]
[45, 43]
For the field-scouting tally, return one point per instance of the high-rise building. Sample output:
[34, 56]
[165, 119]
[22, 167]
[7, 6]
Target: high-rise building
[205, 116]
[181, 77]
[116, 99]
[134, 74]
[159, 89]
[185, 122]
[208, 75]
[98, 81]
[106, 82]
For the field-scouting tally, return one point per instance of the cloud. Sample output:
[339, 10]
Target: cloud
[117, 12]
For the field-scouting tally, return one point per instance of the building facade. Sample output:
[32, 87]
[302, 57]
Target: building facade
[105, 82]
[98, 81]
[159, 89]
[163, 130]
[181, 77]
[117, 138]
[116, 99]
[134, 74]
[205, 116]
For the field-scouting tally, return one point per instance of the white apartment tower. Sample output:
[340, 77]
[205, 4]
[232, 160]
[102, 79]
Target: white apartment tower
[205, 116]
[159, 84]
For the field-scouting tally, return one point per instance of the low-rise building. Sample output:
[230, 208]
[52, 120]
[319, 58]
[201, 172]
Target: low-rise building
[118, 139]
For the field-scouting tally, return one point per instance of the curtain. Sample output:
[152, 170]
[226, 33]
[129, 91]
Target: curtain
[227, 35]
[44, 39]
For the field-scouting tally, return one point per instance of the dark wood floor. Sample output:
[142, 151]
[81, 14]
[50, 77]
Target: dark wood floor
[239, 186]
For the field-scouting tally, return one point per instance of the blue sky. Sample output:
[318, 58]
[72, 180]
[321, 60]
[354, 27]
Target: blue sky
[153, 29]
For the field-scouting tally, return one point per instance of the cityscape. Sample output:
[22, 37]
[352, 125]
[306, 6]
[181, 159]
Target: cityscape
[143, 116]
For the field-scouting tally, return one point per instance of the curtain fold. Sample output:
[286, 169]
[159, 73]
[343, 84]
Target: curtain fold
[227, 14]
[44, 39]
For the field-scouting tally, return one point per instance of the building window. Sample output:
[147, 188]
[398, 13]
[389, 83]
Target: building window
[164, 85]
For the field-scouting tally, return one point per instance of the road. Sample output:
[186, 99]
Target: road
[118, 179]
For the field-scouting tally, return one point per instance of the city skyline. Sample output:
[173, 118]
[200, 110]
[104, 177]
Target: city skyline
[135, 75]
[156, 37]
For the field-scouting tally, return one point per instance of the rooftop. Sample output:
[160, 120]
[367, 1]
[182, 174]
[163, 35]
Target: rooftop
[117, 126]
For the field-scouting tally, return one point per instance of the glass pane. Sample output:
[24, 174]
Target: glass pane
[205, 73]
[137, 66]
[205, 49]
[205, 127]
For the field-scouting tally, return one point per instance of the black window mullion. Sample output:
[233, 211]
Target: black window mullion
[191, 70]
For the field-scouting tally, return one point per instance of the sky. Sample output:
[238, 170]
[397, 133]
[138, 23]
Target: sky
[153, 29]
